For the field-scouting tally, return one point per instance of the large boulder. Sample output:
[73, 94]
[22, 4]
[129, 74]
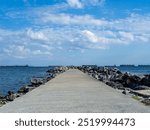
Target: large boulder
[146, 80]
[23, 90]
[141, 87]
[133, 81]
[128, 81]
[37, 81]
[10, 96]
[1, 96]
[115, 85]
[2, 102]
[146, 101]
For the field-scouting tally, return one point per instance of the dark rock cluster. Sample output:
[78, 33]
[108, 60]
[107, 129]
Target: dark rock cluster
[115, 78]
[126, 82]
[34, 83]
[58, 70]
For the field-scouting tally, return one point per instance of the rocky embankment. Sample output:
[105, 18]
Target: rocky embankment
[34, 83]
[136, 86]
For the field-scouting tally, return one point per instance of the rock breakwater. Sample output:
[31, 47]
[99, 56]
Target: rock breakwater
[126, 82]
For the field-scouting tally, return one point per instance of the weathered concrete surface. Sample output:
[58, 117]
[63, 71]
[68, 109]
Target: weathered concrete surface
[74, 91]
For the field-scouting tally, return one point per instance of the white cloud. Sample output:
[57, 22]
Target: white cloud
[101, 39]
[132, 25]
[94, 41]
[17, 51]
[75, 3]
[68, 19]
[79, 32]
[56, 31]
[47, 47]
[126, 36]
[22, 52]
[143, 38]
[39, 52]
[93, 2]
[84, 3]
[36, 35]
[91, 36]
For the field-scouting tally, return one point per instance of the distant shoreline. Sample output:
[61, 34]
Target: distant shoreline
[122, 65]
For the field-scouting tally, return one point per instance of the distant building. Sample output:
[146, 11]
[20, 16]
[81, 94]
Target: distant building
[127, 65]
[143, 65]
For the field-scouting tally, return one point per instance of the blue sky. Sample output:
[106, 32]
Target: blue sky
[74, 32]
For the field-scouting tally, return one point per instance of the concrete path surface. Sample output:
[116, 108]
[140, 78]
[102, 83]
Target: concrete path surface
[74, 91]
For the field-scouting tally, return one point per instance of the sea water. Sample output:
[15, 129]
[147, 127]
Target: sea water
[13, 78]
[139, 70]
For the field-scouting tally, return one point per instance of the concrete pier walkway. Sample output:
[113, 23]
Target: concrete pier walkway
[74, 91]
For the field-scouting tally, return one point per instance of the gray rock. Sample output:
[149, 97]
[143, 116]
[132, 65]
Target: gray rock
[111, 83]
[116, 79]
[2, 97]
[141, 87]
[37, 81]
[146, 80]
[2, 103]
[10, 92]
[10, 97]
[23, 90]
[124, 92]
[146, 101]
[95, 76]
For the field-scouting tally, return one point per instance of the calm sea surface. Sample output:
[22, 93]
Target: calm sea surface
[135, 70]
[12, 78]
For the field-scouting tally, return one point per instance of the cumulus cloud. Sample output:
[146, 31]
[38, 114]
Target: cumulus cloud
[36, 35]
[93, 2]
[47, 47]
[126, 36]
[80, 31]
[51, 31]
[39, 52]
[105, 38]
[17, 51]
[83, 3]
[69, 19]
[22, 52]
[95, 42]
[91, 36]
[24, 43]
[76, 35]
[75, 3]
[133, 24]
